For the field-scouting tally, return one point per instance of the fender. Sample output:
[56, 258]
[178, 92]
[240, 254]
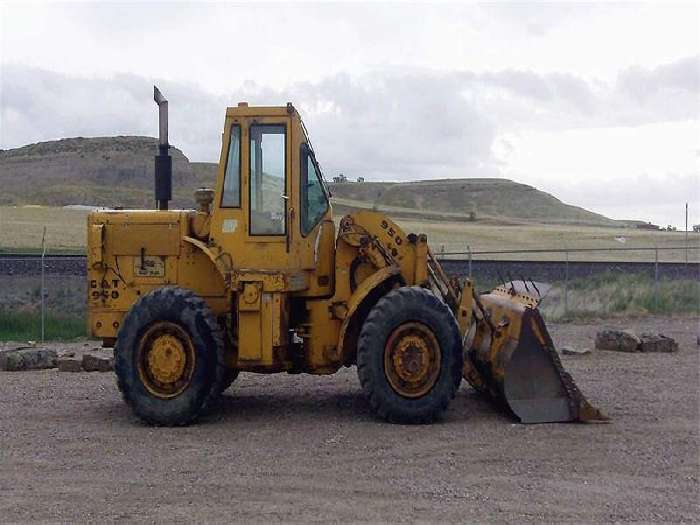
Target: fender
[364, 289]
[222, 261]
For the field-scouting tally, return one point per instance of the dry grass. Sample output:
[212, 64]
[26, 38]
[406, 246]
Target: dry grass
[455, 236]
[21, 229]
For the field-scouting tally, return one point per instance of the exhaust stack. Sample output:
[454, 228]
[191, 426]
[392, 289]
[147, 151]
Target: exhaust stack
[164, 163]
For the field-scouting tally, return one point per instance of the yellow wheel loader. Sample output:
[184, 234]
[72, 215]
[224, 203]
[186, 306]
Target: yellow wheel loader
[256, 279]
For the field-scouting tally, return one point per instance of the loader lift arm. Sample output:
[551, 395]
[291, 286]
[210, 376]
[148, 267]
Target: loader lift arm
[508, 353]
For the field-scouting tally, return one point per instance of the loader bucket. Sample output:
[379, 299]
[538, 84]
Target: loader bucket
[519, 366]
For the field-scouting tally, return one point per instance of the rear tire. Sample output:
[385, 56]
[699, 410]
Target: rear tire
[409, 356]
[169, 357]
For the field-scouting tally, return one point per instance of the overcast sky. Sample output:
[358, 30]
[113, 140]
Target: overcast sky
[598, 104]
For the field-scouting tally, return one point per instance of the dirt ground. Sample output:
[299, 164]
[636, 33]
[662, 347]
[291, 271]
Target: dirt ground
[302, 448]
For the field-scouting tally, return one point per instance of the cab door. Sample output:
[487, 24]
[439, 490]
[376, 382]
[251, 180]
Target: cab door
[316, 226]
[268, 195]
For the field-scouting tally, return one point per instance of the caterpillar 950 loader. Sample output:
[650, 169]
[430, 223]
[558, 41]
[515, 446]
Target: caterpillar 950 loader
[257, 280]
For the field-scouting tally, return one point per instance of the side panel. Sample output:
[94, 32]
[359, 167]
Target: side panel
[131, 253]
[262, 328]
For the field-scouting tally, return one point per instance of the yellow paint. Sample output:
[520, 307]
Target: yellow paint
[296, 301]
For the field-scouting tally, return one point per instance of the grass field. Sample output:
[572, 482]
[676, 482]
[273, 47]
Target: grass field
[612, 294]
[21, 230]
[26, 326]
[606, 295]
[454, 236]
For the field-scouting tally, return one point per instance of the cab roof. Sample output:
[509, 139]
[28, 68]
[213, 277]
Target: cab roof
[244, 110]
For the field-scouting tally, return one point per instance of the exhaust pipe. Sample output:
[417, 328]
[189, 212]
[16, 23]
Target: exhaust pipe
[164, 163]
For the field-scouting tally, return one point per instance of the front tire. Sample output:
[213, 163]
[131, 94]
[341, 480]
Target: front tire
[169, 357]
[409, 356]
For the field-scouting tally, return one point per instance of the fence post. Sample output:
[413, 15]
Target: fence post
[566, 284]
[469, 258]
[43, 284]
[686, 235]
[656, 278]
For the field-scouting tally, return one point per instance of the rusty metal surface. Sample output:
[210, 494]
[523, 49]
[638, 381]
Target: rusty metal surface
[412, 360]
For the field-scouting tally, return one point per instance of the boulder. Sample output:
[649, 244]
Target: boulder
[97, 363]
[70, 364]
[23, 358]
[657, 343]
[618, 340]
[570, 350]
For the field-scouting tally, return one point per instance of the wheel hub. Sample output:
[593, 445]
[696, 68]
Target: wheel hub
[165, 359]
[412, 360]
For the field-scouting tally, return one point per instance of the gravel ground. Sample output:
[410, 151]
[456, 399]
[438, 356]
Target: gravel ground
[302, 448]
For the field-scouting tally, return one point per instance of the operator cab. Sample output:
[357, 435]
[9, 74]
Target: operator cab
[271, 208]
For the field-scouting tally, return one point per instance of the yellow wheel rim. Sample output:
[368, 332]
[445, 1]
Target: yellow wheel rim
[165, 359]
[412, 360]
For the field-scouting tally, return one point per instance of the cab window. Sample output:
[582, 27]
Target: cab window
[268, 199]
[314, 202]
[231, 197]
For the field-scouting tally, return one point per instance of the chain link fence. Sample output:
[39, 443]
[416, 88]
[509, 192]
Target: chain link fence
[45, 297]
[42, 297]
[591, 281]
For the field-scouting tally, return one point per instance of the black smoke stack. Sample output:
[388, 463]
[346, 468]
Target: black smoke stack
[164, 163]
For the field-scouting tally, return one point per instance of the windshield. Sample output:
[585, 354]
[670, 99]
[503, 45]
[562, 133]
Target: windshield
[314, 201]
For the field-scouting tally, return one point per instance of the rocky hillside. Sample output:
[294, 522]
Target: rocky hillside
[103, 171]
[118, 171]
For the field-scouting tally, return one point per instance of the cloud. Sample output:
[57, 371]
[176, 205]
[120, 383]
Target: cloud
[396, 118]
[382, 125]
[402, 123]
[669, 92]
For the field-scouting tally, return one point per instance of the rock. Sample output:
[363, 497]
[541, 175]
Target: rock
[618, 340]
[97, 363]
[570, 350]
[657, 343]
[23, 358]
[70, 364]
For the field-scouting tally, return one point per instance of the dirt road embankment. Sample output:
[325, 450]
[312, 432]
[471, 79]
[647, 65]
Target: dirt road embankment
[302, 448]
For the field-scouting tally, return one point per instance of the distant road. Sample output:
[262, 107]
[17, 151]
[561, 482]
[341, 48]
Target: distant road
[482, 270]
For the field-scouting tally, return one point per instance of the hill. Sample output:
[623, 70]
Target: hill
[102, 171]
[118, 171]
[499, 200]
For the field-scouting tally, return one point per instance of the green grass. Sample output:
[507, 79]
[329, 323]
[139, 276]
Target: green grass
[26, 326]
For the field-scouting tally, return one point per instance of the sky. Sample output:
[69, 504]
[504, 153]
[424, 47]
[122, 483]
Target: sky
[598, 104]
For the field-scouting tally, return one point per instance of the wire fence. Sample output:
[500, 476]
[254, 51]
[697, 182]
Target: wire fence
[50, 290]
[581, 281]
